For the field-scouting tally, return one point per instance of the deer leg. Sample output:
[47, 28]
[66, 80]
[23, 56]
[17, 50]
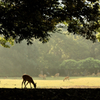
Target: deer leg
[22, 84]
[30, 85]
[26, 84]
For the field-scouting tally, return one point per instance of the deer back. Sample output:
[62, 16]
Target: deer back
[27, 78]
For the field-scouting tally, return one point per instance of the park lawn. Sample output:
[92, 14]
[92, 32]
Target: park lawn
[51, 82]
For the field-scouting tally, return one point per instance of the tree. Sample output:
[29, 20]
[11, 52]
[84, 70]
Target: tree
[69, 64]
[4, 42]
[82, 20]
[28, 19]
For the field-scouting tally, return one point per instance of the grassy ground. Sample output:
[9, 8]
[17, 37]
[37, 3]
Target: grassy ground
[51, 89]
[51, 82]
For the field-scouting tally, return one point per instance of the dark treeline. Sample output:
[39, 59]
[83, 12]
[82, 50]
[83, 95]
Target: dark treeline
[56, 56]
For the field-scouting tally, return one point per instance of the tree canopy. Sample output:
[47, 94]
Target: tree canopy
[29, 19]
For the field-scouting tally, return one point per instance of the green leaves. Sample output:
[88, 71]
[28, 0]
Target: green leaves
[68, 64]
[5, 42]
[88, 63]
[33, 19]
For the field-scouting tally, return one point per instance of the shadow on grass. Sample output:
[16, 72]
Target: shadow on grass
[49, 94]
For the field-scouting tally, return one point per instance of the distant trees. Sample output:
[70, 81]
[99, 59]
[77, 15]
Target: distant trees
[81, 67]
[69, 64]
[28, 19]
[71, 52]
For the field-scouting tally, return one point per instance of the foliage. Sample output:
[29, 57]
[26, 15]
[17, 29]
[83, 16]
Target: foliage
[98, 37]
[89, 63]
[33, 19]
[68, 64]
[20, 58]
[4, 42]
[28, 19]
[82, 64]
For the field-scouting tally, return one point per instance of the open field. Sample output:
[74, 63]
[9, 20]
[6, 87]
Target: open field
[74, 82]
[51, 89]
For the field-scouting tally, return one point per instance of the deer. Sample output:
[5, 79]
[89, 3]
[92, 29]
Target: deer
[57, 75]
[29, 80]
[42, 76]
[67, 77]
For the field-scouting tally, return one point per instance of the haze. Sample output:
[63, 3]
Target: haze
[63, 54]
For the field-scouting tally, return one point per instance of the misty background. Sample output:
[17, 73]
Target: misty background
[64, 54]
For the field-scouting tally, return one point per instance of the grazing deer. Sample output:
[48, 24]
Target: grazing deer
[57, 75]
[98, 74]
[93, 74]
[42, 76]
[67, 77]
[29, 79]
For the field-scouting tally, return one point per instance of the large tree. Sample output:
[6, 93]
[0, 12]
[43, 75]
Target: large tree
[29, 19]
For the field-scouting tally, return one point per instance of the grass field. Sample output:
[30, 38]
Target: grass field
[51, 82]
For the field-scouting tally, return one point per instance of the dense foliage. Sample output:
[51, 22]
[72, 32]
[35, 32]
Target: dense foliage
[28, 19]
[82, 67]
